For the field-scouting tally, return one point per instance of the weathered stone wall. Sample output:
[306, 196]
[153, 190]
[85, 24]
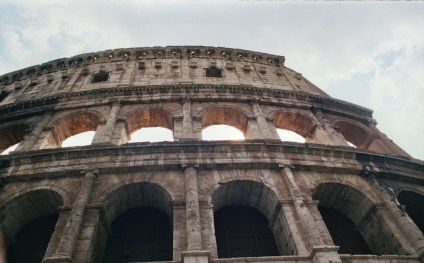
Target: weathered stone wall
[190, 179]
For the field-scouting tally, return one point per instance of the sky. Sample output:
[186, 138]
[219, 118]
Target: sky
[367, 53]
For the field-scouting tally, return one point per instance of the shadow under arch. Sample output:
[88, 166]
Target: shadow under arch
[414, 206]
[23, 210]
[71, 125]
[12, 135]
[227, 116]
[354, 133]
[338, 201]
[146, 118]
[133, 211]
[295, 122]
[245, 193]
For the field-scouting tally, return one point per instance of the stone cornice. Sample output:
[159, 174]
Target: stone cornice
[240, 93]
[145, 53]
[255, 154]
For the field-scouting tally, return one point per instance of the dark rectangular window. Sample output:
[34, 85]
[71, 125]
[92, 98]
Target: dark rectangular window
[214, 72]
[100, 77]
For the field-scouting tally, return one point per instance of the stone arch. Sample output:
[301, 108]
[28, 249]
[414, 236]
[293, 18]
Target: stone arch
[26, 206]
[225, 115]
[297, 122]
[413, 202]
[354, 132]
[72, 124]
[125, 196]
[365, 213]
[133, 211]
[248, 193]
[13, 134]
[147, 117]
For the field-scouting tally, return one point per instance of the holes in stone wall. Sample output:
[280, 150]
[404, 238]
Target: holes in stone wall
[261, 199]
[290, 136]
[152, 134]
[353, 134]
[142, 234]
[358, 208]
[11, 136]
[225, 116]
[32, 240]
[3, 95]
[221, 132]
[343, 232]
[10, 149]
[295, 122]
[69, 126]
[81, 139]
[139, 124]
[213, 72]
[100, 77]
[414, 206]
[242, 231]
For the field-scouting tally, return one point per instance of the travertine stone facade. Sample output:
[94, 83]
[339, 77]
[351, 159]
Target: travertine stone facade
[377, 185]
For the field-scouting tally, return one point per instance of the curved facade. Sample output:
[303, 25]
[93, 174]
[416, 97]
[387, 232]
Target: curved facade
[192, 200]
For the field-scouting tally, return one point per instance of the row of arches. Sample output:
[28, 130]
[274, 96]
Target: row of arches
[227, 123]
[246, 219]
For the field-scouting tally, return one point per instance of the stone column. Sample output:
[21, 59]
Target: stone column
[70, 234]
[325, 133]
[310, 230]
[31, 139]
[194, 253]
[409, 234]
[319, 252]
[105, 135]
[194, 237]
[261, 121]
[187, 121]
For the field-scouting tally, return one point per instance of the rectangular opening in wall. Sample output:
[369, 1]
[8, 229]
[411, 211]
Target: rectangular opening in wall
[214, 72]
[100, 77]
[3, 95]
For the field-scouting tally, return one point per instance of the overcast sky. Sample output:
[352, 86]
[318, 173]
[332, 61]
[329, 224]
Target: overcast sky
[368, 53]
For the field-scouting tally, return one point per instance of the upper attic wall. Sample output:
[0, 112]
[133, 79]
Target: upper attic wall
[153, 66]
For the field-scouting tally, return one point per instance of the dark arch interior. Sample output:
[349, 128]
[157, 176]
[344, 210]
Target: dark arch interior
[414, 206]
[242, 231]
[32, 240]
[343, 232]
[141, 234]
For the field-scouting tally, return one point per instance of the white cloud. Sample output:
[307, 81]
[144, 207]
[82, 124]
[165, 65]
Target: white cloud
[326, 41]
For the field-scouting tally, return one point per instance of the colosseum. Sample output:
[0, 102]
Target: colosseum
[189, 199]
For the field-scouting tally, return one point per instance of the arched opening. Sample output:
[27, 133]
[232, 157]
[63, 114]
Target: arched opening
[70, 126]
[295, 122]
[81, 139]
[224, 124]
[141, 230]
[32, 240]
[290, 136]
[343, 232]
[148, 125]
[242, 231]
[221, 132]
[12, 135]
[414, 206]
[10, 149]
[248, 199]
[354, 134]
[152, 134]
[142, 234]
[26, 221]
[361, 211]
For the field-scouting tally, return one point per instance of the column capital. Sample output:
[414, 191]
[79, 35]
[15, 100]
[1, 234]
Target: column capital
[185, 166]
[184, 100]
[93, 172]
